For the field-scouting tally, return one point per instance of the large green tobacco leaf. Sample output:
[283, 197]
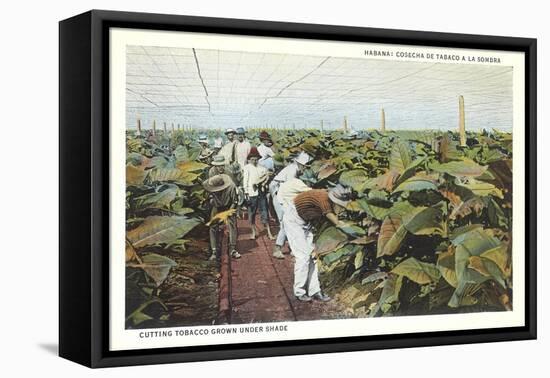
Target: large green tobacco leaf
[446, 266]
[420, 272]
[157, 229]
[370, 207]
[135, 175]
[400, 157]
[496, 215]
[482, 189]
[424, 221]
[487, 268]
[172, 175]
[392, 234]
[382, 182]
[157, 162]
[326, 170]
[411, 170]
[134, 145]
[346, 250]
[191, 166]
[459, 168]
[159, 200]
[156, 266]
[135, 159]
[500, 256]
[403, 218]
[459, 234]
[354, 179]
[351, 229]
[490, 155]
[473, 205]
[330, 239]
[189, 153]
[471, 242]
[417, 183]
[138, 316]
[390, 294]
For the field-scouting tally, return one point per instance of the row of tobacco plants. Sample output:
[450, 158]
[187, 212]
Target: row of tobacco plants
[429, 230]
[165, 232]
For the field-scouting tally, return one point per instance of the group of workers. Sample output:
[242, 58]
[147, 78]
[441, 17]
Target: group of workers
[244, 175]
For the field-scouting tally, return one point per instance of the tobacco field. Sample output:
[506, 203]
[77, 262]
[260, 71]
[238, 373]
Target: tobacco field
[428, 231]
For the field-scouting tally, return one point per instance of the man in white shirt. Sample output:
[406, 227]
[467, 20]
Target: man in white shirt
[254, 185]
[242, 147]
[289, 172]
[266, 153]
[228, 150]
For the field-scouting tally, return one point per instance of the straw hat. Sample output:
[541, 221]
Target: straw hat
[340, 195]
[229, 131]
[218, 160]
[217, 183]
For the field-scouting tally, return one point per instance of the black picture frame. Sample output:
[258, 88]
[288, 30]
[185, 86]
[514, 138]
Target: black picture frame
[84, 196]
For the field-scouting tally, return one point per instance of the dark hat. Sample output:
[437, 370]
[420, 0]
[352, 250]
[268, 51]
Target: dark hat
[217, 183]
[254, 153]
[264, 135]
[240, 130]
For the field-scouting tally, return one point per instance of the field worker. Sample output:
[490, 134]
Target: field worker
[266, 153]
[255, 189]
[293, 170]
[206, 153]
[228, 150]
[299, 216]
[222, 197]
[218, 144]
[219, 167]
[242, 147]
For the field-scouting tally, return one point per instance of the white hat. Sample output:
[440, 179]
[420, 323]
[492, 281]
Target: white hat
[340, 195]
[303, 158]
[230, 130]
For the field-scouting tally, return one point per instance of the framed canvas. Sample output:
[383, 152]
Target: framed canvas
[236, 188]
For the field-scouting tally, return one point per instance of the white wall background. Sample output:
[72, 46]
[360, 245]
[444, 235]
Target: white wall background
[29, 189]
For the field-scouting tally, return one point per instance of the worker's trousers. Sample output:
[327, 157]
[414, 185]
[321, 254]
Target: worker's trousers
[231, 226]
[300, 239]
[281, 236]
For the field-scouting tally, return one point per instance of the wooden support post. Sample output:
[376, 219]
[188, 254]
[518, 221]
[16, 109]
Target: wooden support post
[173, 130]
[138, 127]
[179, 127]
[345, 124]
[164, 128]
[382, 120]
[154, 128]
[461, 121]
[322, 126]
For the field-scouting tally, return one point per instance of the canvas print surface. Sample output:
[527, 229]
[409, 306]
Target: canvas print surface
[265, 189]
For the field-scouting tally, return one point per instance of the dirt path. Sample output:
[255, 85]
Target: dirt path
[259, 288]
